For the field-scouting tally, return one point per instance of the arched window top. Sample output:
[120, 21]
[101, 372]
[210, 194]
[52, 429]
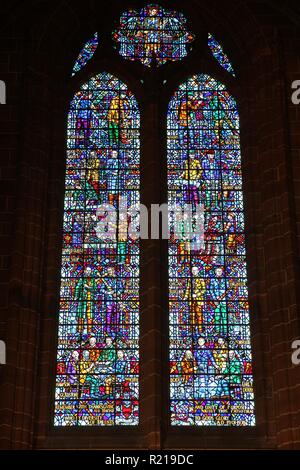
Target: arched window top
[153, 35]
[204, 101]
[205, 83]
[219, 54]
[104, 93]
[86, 54]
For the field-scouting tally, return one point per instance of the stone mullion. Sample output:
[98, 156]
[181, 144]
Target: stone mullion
[151, 298]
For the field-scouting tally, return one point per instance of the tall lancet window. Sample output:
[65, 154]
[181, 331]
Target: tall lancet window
[97, 357]
[210, 351]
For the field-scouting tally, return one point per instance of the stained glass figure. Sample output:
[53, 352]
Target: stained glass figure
[153, 35]
[210, 351]
[86, 54]
[219, 54]
[97, 357]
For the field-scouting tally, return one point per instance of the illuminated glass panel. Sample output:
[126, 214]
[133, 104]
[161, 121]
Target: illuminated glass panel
[210, 351]
[153, 35]
[86, 54]
[97, 358]
[219, 54]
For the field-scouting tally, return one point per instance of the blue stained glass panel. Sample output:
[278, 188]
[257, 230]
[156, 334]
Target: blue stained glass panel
[98, 334]
[219, 54]
[86, 54]
[211, 380]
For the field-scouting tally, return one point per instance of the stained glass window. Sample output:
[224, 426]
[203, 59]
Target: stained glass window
[153, 35]
[86, 54]
[210, 351]
[219, 54]
[97, 358]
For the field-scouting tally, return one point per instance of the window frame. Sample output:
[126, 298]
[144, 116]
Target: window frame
[154, 429]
